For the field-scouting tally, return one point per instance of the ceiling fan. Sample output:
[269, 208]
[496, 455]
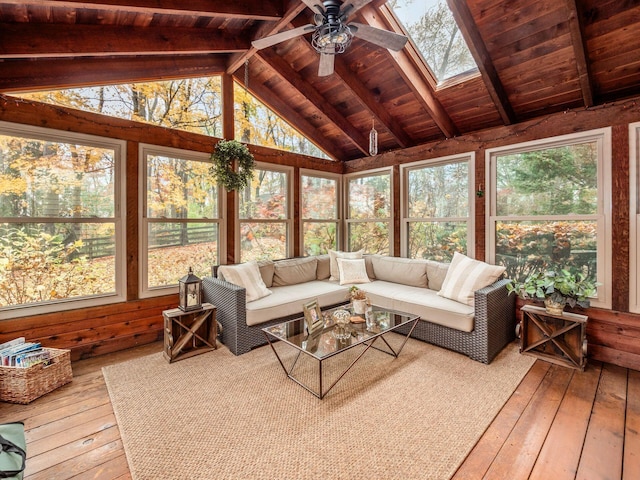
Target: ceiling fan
[331, 33]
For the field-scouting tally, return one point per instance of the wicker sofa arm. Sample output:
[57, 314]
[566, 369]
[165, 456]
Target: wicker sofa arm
[231, 303]
[495, 315]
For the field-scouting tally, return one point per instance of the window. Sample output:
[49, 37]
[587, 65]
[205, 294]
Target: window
[435, 33]
[369, 208]
[190, 104]
[319, 212]
[61, 221]
[550, 207]
[257, 124]
[181, 223]
[264, 211]
[438, 203]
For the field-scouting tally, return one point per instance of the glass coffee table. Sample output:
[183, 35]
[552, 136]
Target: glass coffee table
[330, 341]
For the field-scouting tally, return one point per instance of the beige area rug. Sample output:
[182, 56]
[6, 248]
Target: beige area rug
[218, 416]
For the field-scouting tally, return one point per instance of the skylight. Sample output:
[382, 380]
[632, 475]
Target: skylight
[435, 33]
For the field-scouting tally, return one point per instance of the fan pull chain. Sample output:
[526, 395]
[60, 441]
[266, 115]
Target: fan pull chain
[246, 73]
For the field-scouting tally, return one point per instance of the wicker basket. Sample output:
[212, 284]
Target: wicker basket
[23, 385]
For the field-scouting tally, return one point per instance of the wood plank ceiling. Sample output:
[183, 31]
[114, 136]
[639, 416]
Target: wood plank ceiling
[534, 57]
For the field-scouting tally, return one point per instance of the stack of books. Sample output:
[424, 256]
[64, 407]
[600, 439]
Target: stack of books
[22, 354]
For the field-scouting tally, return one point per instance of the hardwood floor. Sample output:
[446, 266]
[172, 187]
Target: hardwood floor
[558, 424]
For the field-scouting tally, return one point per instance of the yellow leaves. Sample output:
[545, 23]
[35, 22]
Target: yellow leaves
[12, 185]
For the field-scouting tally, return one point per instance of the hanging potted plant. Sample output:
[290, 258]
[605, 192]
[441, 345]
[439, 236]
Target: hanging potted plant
[557, 289]
[224, 155]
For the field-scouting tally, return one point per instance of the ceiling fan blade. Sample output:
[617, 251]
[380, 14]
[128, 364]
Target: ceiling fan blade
[315, 5]
[351, 6]
[282, 36]
[383, 38]
[326, 64]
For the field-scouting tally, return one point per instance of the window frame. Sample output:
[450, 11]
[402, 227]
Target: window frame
[405, 169]
[288, 171]
[345, 215]
[634, 217]
[144, 149]
[602, 137]
[338, 221]
[119, 148]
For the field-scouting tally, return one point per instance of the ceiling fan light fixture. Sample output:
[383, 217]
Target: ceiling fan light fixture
[331, 38]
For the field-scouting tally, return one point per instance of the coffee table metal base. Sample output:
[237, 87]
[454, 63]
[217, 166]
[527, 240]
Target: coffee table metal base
[367, 344]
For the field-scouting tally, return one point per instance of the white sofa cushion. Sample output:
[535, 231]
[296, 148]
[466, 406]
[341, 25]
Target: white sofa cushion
[294, 270]
[333, 264]
[288, 300]
[421, 301]
[400, 270]
[246, 275]
[352, 271]
[324, 269]
[465, 276]
[266, 271]
[436, 273]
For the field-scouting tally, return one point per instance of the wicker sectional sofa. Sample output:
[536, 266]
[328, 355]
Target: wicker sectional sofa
[479, 329]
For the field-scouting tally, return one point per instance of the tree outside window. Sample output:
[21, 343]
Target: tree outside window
[60, 227]
[190, 104]
[547, 212]
[437, 211]
[181, 216]
[434, 31]
[257, 124]
[319, 213]
[369, 213]
[264, 216]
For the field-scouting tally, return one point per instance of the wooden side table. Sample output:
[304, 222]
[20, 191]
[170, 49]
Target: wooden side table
[559, 339]
[189, 333]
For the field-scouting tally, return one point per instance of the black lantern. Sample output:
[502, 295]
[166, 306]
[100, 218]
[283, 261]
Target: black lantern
[190, 292]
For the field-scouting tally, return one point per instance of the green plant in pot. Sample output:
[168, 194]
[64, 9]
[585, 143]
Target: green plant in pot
[359, 299]
[557, 288]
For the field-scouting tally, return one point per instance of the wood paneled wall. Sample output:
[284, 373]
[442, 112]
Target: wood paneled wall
[614, 335]
[98, 330]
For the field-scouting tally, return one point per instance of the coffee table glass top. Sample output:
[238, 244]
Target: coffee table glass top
[325, 342]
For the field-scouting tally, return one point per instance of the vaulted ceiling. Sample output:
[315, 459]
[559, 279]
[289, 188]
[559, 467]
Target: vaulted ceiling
[534, 57]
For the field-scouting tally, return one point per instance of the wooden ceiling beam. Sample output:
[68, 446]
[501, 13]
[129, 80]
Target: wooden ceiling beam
[370, 102]
[29, 75]
[478, 49]
[27, 40]
[366, 98]
[409, 71]
[293, 9]
[249, 9]
[576, 28]
[283, 70]
[293, 118]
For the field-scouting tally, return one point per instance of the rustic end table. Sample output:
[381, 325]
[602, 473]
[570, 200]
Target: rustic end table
[189, 333]
[559, 339]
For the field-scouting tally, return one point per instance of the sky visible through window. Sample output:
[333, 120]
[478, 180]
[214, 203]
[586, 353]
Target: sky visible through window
[433, 30]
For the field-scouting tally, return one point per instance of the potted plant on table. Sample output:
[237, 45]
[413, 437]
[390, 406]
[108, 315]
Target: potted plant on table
[359, 299]
[557, 288]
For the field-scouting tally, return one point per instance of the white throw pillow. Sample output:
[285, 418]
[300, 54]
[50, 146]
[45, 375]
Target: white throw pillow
[333, 264]
[352, 271]
[465, 276]
[246, 275]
